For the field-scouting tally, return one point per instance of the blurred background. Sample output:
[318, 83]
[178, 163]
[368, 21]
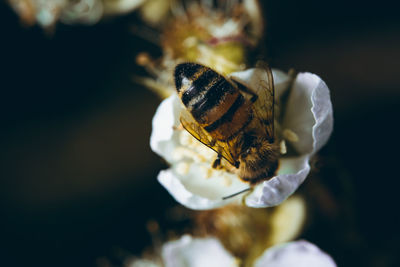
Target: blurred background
[77, 176]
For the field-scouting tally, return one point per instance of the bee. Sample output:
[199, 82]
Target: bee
[236, 121]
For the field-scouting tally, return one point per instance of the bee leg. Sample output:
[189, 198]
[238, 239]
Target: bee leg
[217, 162]
[246, 90]
[238, 193]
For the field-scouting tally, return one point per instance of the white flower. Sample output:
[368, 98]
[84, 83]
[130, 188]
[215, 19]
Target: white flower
[306, 126]
[83, 11]
[196, 252]
[47, 12]
[200, 252]
[298, 253]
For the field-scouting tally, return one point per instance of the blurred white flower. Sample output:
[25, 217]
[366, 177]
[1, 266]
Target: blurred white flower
[209, 252]
[247, 232]
[306, 125]
[196, 252]
[218, 34]
[288, 220]
[83, 11]
[219, 19]
[299, 254]
[46, 13]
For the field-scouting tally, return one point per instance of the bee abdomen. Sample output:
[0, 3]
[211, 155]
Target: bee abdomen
[184, 73]
[212, 100]
[204, 92]
[216, 100]
[237, 117]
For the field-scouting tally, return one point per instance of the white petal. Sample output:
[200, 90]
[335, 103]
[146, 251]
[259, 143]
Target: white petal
[192, 188]
[323, 114]
[291, 174]
[195, 191]
[196, 252]
[295, 254]
[287, 220]
[309, 113]
[83, 11]
[163, 139]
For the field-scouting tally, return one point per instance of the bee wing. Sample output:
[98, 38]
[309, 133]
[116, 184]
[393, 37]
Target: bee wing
[263, 100]
[264, 105]
[222, 148]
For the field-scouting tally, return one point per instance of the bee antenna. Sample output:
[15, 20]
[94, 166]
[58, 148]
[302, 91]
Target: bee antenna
[237, 193]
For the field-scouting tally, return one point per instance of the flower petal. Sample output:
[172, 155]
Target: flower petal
[288, 220]
[309, 113]
[163, 139]
[323, 114]
[194, 187]
[195, 191]
[196, 252]
[295, 254]
[84, 11]
[291, 174]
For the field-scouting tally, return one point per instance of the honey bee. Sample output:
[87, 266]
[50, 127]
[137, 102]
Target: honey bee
[234, 120]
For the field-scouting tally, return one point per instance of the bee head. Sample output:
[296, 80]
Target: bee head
[255, 149]
[248, 152]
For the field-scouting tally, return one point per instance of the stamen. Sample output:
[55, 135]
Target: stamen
[290, 135]
[209, 173]
[205, 172]
[154, 230]
[180, 152]
[182, 168]
[178, 128]
[190, 42]
[283, 147]
[205, 151]
[143, 59]
[227, 181]
[185, 138]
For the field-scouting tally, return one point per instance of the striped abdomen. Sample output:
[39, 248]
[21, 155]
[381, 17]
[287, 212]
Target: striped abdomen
[215, 103]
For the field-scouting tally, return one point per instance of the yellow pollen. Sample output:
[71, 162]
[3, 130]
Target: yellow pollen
[205, 172]
[190, 41]
[185, 138]
[182, 168]
[227, 181]
[283, 147]
[181, 152]
[209, 172]
[290, 135]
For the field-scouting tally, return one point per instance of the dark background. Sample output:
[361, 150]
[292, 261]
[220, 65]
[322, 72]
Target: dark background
[78, 179]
